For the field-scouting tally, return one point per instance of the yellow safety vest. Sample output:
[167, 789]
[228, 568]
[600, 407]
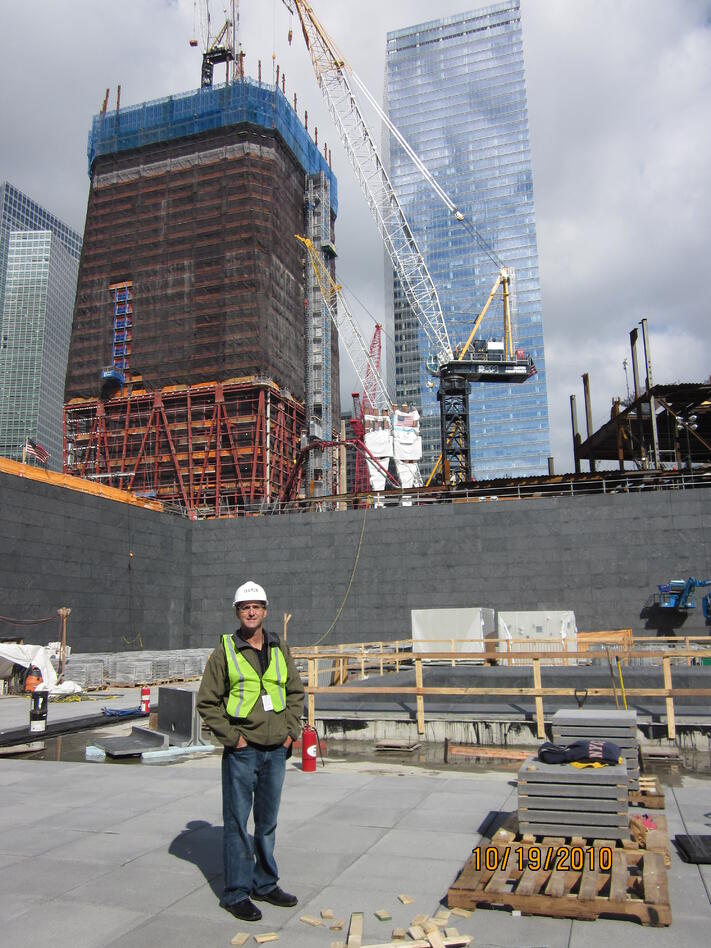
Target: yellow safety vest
[246, 684]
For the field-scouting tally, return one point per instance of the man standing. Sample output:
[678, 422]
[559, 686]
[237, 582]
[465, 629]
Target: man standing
[252, 698]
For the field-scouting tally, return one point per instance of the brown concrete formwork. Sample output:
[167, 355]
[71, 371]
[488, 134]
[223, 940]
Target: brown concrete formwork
[203, 228]
[211, 450]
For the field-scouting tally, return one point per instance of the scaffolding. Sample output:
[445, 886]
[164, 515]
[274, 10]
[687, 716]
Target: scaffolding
[320, 337]
[123, 325]
[205, 110]
[193, 206]
[212, 450]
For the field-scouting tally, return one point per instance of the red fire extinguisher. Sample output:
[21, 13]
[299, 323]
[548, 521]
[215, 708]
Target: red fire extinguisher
[145, 700]
[308, 749]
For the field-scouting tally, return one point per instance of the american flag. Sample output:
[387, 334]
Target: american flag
[35, 450]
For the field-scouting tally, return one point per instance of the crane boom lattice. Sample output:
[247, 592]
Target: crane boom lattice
[349, 333]
[332, 74]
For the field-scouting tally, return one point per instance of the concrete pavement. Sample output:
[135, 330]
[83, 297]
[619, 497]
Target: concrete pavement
[104, 854]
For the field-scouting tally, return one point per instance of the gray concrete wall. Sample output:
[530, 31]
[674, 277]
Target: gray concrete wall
[64, 548]
[601, 556]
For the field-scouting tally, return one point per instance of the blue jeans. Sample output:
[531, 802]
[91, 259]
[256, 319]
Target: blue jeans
[250, 777]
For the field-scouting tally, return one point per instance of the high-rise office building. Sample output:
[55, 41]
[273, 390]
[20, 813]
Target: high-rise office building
[199, 326]
[455, 88]
[39, 260]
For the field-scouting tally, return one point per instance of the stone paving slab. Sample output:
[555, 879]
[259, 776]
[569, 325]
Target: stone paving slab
[138, 861]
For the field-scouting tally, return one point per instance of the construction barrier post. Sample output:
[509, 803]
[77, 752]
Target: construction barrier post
[310, 707]
[671, 722]
[419, 700]
[539, 700]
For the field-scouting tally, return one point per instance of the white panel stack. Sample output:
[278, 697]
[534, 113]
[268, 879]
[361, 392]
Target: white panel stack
[433, 630]
[607, 724]
[537, 632]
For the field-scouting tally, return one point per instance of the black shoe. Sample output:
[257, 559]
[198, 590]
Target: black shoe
[245, 910]
[276, 896]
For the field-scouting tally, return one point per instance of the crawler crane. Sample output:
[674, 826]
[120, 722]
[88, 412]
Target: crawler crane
[485, 362]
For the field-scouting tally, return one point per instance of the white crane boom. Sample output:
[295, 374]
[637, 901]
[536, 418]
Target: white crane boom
[332, 73]
[348, 330]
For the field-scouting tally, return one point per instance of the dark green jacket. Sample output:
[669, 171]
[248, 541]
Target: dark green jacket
[265, 728]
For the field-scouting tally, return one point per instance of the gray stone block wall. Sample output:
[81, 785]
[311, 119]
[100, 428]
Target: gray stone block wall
[601, 556]
[64, 548]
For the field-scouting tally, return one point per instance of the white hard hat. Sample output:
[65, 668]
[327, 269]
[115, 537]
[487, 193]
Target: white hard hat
[250, 591]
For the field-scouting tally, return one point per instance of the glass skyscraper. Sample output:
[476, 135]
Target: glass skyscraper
[455, 88]
[39, 262]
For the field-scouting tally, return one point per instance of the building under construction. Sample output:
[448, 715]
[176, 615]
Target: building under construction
[200, 348]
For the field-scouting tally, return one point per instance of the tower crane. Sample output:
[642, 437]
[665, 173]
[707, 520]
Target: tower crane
[364, 404]
[363, 359]
[488, 362]
[221, 49]
[366, 362]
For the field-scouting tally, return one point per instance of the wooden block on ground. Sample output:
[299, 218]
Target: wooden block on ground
[462, 912]
[458, 941]
[406, 899]
[267, 936]
[338, 925]
[327, 913]
[310, 920]
[399, 934]
[435, 940]
[383, 915]
[355, 931]
[241, 938]
[419, 919]
[451, 932]
[416, 932]
[431, 925]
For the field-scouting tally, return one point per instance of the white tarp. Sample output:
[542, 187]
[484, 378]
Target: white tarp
[410, 450]
[38, 656]
[552, 631]
[407, 443]
[408, 474]
[379, 443]
[434, 629]
[377, 474]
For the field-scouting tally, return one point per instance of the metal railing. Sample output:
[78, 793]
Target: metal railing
[338, 664]
[566, 485]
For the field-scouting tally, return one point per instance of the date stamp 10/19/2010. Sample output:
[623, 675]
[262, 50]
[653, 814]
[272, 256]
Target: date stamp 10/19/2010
[561, 858]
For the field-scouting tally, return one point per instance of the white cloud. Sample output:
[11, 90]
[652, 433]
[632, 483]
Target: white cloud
[619, 101]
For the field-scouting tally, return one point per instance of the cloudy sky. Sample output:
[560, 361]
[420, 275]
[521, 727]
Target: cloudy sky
[619, 96]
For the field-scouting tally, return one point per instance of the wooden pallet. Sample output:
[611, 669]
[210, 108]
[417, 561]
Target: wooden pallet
[650, 840]
[153, 683]
[642, 839]
[534, 875]
[650, 794]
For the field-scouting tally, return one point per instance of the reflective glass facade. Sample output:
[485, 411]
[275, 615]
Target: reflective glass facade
[456, 90]
[39, 261]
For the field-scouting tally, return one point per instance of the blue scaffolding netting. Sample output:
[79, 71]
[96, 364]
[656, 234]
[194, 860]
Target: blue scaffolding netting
[190, 113]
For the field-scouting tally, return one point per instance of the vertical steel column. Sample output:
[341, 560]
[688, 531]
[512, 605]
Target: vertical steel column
[648, 388]
[453, 398]
[588, 415]
[576, 433]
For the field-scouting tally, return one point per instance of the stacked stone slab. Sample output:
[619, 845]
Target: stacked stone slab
[561, 800]
[606, 725]
[136, 667]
